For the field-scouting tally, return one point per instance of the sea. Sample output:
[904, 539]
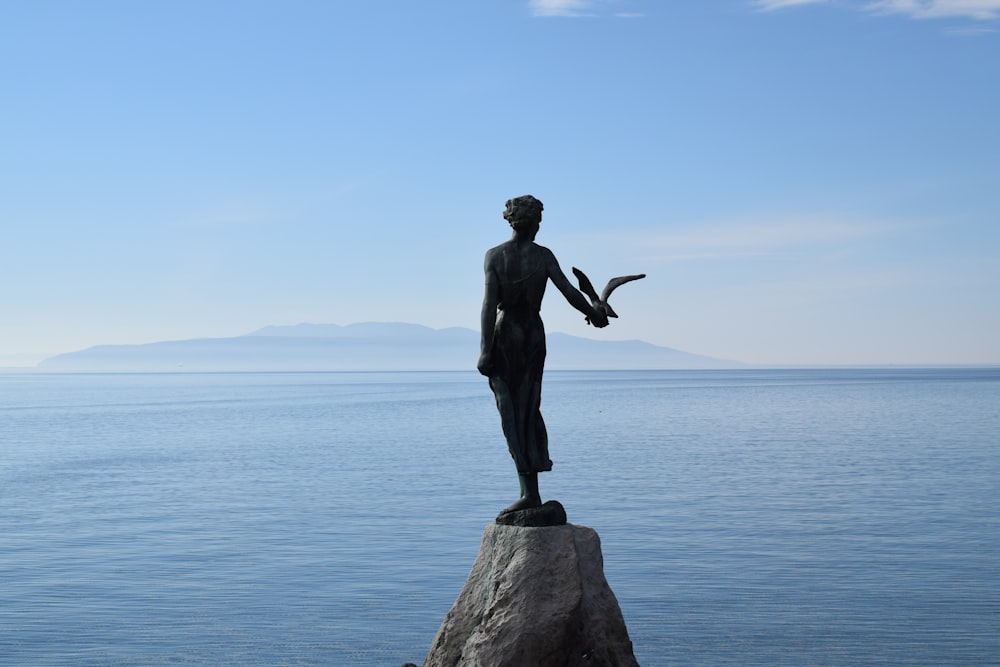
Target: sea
[747, 517]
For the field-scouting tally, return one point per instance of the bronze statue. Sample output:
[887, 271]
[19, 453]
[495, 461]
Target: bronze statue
[513, 338]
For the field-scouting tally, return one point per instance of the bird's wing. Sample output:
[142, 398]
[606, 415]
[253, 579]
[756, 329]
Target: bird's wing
[614, 283]
[585, 285]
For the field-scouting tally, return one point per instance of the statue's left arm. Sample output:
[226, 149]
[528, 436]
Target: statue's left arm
[488, 317]
[572, 294]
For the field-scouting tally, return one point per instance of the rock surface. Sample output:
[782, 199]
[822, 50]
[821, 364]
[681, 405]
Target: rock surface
[536, 597]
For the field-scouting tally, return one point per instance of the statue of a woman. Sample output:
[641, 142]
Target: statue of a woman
[513, 339]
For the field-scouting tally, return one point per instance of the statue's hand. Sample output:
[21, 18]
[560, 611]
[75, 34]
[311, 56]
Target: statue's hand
[598, 319]
[485, 364]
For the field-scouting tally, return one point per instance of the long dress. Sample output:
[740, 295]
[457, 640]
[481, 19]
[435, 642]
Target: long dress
[519, 357]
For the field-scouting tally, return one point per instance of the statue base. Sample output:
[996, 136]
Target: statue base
[535, 596]
[551, 513]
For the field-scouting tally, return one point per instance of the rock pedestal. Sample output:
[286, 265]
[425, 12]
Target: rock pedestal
[536, 597]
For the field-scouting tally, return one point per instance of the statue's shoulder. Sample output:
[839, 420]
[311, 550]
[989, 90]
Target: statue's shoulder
[545, 253]
[496, 251]
[493, 256]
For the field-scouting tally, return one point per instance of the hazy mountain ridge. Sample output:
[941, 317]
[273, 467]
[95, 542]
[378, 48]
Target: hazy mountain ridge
[363, 330]
[369, 346]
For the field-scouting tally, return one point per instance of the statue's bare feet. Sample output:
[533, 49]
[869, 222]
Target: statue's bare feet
[526, 503]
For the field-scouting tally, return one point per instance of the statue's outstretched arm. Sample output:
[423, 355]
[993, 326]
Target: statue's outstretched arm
[573, 295]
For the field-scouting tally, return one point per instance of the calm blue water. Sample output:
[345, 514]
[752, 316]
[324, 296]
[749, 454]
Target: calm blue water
[833, 517]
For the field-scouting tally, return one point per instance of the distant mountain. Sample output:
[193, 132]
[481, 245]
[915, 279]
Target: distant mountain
[371, 346]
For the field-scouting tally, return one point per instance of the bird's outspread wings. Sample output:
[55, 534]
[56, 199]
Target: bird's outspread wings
[585, 285]
[602, 303]
[614, 283]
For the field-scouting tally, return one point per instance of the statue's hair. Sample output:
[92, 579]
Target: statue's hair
[523, 209]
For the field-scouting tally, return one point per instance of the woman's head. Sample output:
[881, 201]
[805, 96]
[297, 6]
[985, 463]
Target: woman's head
[523, 211]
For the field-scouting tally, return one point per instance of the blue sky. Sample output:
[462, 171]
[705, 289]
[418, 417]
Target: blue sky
[803, 182]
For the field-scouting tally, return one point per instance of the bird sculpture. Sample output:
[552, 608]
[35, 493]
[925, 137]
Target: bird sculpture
[601, 303]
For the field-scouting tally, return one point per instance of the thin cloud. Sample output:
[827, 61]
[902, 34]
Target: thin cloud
[771, 5]
[982, 10]
[748, 239]
[578, 8]
[766, 235]
[969, 32]
[559, 7]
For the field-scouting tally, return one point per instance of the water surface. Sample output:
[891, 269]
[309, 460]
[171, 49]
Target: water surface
[822, 517]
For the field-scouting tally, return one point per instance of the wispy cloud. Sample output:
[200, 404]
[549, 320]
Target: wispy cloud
[983, 10]
[771, 5]
[974, 31]
[749, 239]
[761, 239]
[559, 7]
[577, 8]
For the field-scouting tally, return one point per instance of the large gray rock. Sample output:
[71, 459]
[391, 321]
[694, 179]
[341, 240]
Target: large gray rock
[536, 597]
